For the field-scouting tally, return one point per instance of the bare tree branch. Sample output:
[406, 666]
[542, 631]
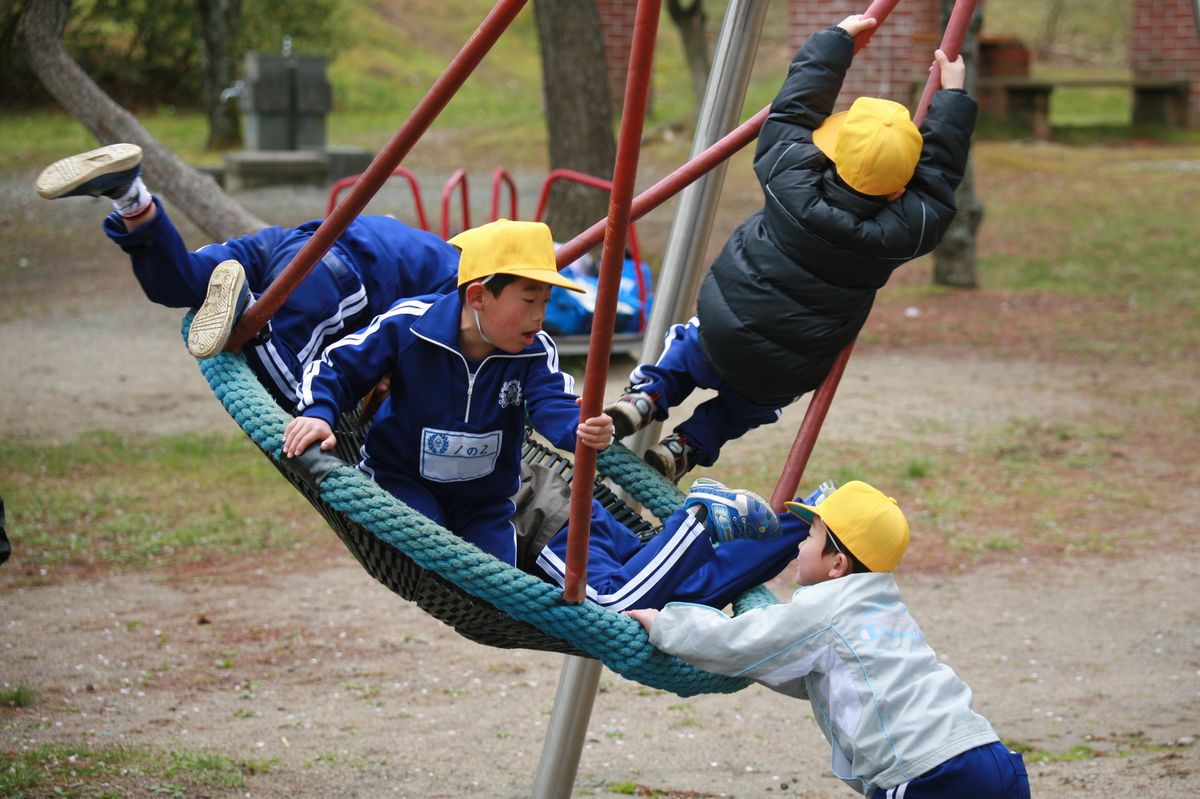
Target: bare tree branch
[196, 194]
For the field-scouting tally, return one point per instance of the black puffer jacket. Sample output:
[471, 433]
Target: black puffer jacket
[795, 282]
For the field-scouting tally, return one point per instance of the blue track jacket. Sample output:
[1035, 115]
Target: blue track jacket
[449, 434]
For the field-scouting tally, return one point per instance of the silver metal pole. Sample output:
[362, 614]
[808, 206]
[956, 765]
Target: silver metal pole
[568, 725]
[683, 260]
[678, 285]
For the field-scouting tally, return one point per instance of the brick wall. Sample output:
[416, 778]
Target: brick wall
[617, 18]
[898, 56]
[1165, 46]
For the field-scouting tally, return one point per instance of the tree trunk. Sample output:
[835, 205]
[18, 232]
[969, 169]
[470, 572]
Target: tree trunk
[219, 20]
[954, 260]
[197, 195]
[579, 115]
[690, 20]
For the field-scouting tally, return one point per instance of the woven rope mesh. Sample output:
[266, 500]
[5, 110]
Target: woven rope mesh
[483, 599]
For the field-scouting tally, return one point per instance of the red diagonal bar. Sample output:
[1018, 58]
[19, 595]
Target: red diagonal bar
[442, 91]
[818, 406]
[671, 185]
[633, 117]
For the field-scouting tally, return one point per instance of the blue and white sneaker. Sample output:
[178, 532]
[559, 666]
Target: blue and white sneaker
[104, 172]
[733, 513]
[227, 298]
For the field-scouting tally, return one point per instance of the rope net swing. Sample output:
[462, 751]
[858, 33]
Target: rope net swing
[482, 598]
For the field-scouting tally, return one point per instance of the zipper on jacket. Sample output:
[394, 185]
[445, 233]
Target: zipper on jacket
[472, 375]
[470, 390]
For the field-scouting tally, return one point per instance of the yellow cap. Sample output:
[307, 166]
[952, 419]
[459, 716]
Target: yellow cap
[505, 247]
[874, 145]
[868, 523]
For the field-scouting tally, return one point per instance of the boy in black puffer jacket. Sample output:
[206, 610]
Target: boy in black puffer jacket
[848, 198]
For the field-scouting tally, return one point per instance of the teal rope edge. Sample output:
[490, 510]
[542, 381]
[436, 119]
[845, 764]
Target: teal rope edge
[612, 638]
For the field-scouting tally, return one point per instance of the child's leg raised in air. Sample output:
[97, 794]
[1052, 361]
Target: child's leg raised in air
[113, 171]
[723, 418]
[656, 388]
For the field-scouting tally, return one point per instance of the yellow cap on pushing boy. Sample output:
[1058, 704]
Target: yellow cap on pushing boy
[506, 247]
[868, 523]
[874, 145]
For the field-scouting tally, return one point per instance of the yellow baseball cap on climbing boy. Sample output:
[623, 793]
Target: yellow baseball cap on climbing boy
[874, 145]
[506, 247]
[868, 523]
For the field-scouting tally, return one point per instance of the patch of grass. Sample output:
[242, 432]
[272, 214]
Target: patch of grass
[108, 502]
[1120, 745]
[20, 695]
[62, 770]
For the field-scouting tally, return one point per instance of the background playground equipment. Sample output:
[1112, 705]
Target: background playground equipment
[569, 316]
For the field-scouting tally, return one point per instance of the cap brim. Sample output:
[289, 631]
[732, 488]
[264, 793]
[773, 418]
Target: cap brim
[825, 137]
[805, 512]
[543, 276]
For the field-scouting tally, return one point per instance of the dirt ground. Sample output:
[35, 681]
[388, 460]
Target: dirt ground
[348, 691]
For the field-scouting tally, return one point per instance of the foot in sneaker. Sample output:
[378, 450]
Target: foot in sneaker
[226, 299]
[633, 411]
[106, 172]
[673, 457]
[733, 513]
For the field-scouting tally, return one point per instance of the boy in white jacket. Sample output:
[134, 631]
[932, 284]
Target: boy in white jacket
[900, 723]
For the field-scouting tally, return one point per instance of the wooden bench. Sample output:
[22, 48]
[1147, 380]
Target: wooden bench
[1026, 101]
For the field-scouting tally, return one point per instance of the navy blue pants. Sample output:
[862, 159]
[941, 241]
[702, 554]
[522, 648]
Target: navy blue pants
[985, 772]
[677, 565]
[680, 370]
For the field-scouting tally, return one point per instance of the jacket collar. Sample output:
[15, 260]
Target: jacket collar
[839, 195]
[440, 322]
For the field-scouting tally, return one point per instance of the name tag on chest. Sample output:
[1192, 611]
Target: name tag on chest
[448, 456]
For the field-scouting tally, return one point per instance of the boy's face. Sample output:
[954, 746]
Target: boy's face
[812, 566]
[512, 318]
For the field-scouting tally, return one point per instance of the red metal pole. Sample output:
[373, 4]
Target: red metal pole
[879, 10]
[818, 406]
[633, 117]
[443, 89]
[806, 436]
[952, 39]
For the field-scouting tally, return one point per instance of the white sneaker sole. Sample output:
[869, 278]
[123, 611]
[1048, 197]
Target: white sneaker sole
[64, 176]
[214, 319]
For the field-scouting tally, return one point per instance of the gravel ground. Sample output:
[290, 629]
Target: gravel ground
[351, 692]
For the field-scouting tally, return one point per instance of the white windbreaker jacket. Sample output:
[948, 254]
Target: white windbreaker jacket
[891, 711]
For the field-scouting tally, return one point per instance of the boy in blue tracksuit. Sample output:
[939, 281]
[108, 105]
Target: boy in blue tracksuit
[375, 262]
[848, 198]
[899, 722]
[465, 370]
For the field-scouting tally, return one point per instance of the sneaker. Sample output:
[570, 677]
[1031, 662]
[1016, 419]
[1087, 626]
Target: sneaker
[633, 411]
[673, 457]
[733, 513]
[226, 299]
[106, 172]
